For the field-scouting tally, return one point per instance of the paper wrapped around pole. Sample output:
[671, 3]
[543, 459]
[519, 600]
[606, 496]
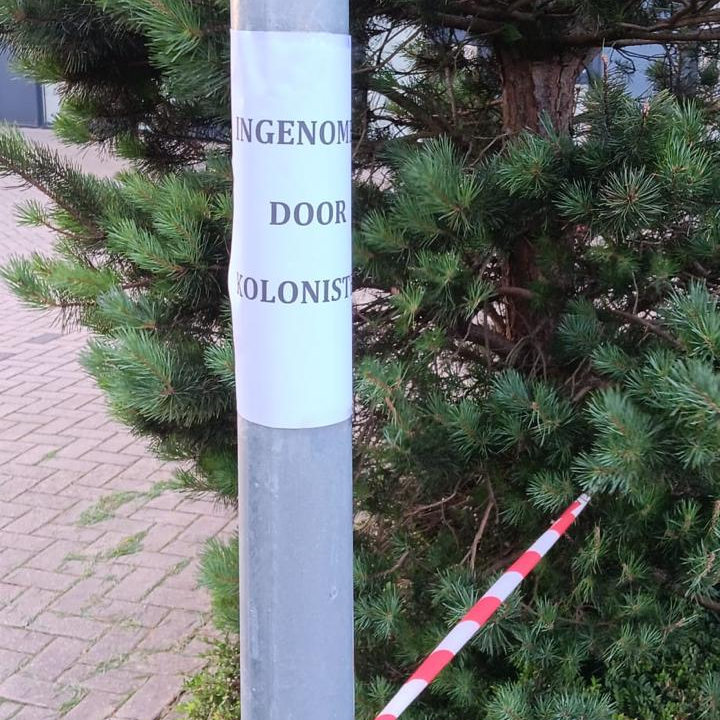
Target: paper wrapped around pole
[290, 268]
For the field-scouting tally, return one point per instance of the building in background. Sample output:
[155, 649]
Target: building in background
[22, 102]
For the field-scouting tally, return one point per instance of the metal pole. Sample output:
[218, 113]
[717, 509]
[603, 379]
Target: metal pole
[295, 506]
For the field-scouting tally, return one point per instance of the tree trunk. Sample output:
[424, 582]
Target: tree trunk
[533, 87]
[536, 88]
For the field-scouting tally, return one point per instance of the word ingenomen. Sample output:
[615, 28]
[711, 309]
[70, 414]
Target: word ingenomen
[292, 132]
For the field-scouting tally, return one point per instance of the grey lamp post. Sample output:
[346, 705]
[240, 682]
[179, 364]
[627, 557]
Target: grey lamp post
[295, 483]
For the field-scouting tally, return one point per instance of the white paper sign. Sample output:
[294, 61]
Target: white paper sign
[290, 267]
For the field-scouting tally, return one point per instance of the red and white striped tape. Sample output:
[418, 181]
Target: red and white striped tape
[480, 613]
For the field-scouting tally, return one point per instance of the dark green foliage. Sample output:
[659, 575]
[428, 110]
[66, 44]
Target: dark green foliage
[214, 693]
[220, 573]
[679, 682]
[611, 386]
[142, 263]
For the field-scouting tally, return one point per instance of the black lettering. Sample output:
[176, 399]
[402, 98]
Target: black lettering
[309, 133]
[347, 286]
[267, 138]
[337, 291]
[276, 206]
[326, 289]
[329, 215]
[291, 132]
[340, 212]
[310, 213]
[284, 127]
[264, 297]
[308, 289]
[244, 129]
[324, 139]
[239, 284]
[294, 292]
[250, 287]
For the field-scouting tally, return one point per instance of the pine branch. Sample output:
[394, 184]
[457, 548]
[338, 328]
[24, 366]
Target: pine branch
[472, 552]
[620, 39]
[515, 292]
[648, 325]
[709, 604]
[482, 335]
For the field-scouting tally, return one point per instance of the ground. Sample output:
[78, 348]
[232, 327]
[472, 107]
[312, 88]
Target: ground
[100, 616]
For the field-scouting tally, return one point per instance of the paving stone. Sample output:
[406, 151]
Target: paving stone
[68, 626]
[172, 597]
[35, 713]
[137, 584]
[166, 663]
[25, 689]
[37, 453]
[149, 513]
[28, 640]
[187, 579]
[159, 537]
[55, 557]
[68, 532]
[99, 477]
[119, 612]
[11, 558]
[32, 578]
[21, 611]
[77, 448]
[179, 547]
[10, 662]
[82, 595]
[126, 484]
[95, 706]
[22, 541]
[203, 528]
[118, 681]
[29, 522]
[8, 593]
[54, 484]
[31, 500]
[57, 657]
[178, 623]
[105, 458]
[118, 442]
[108, 542]
[16, 509]
[152, 698]
[159, 561]
[44, 338]
[124, 526]
[27, 472]
[116, 645]
[75, 615]
[8, 709]
[18, 430]
[166, 501]
[84, 492]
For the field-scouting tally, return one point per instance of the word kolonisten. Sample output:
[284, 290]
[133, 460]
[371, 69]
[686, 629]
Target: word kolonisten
[290, 291]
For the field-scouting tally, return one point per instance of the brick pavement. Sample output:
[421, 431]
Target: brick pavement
[100, 616]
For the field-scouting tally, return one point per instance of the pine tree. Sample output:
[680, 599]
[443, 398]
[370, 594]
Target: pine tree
[537, 314]
[478, 439]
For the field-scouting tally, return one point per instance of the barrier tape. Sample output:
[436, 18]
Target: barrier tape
[480, 613]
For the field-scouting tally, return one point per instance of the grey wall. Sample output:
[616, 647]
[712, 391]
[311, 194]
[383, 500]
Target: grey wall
[635, 66]
[21, 102]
